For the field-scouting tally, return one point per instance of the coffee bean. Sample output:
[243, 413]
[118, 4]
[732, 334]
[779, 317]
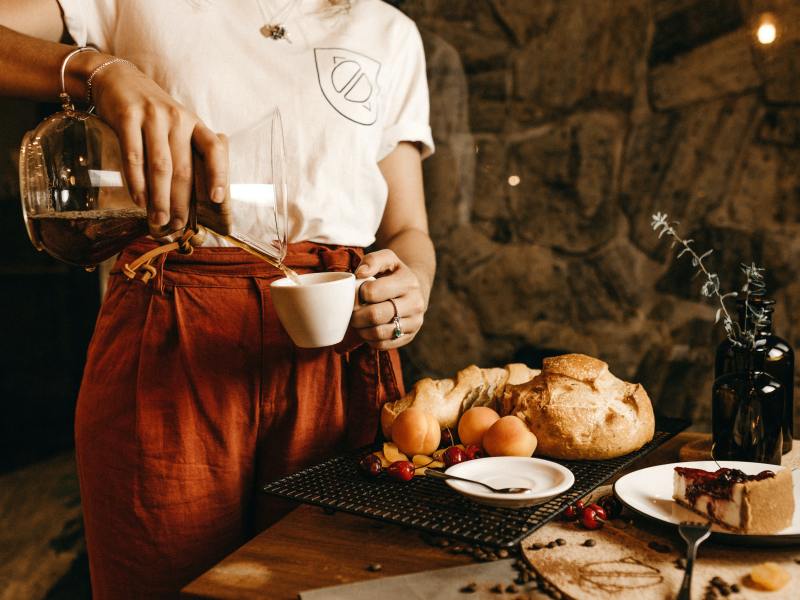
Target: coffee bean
[589, 543]
[735, 588]
[561, 541]
[469, 589]
[374, 567]
[536, 546]
[497, 589]
[717, 581]
[511, 589]
[725, 590]
[551, 544]
[502, 553]
[491, 556]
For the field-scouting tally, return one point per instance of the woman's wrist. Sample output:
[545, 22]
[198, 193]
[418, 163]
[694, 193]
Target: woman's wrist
[79, 68]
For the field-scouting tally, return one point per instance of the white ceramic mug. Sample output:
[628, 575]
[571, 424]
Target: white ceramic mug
[316, 313]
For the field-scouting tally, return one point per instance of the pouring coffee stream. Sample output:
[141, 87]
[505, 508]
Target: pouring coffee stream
[256, 251]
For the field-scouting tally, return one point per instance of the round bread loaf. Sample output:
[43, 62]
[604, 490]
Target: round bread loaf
[579, 410]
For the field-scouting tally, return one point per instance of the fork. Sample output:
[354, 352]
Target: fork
[694, 534]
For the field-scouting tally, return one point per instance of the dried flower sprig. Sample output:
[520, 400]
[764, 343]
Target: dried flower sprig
[740, 334]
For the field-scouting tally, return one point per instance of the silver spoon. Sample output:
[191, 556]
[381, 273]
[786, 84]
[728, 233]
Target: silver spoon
[509, 490]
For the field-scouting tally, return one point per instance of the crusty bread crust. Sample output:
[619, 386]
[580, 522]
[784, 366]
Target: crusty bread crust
[447, 399]
[579, 410]
[575, 406]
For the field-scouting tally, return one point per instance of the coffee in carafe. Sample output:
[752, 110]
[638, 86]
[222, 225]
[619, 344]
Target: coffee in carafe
[74, 200]
[77, 207]
[88, 237]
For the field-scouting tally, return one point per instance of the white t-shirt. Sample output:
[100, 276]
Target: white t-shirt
[350, 86]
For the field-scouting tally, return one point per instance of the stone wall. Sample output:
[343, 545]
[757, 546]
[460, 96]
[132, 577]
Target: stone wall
[603, 112]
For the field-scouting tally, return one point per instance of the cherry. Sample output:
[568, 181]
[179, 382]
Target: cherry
[370, 465]
[447, 438]
[402, 470]
[570, 513]
[579, 505]
[472, 451]
[590, 519]
[601, 512]
[612, 506]
[454, 455]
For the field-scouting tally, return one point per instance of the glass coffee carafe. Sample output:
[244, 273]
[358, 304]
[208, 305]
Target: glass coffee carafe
[77, 208]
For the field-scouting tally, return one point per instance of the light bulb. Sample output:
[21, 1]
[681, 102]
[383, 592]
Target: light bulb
[766, 32]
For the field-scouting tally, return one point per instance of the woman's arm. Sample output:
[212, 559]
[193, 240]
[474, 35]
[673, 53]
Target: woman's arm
[156, 133]
[406, 262]
[37, 18]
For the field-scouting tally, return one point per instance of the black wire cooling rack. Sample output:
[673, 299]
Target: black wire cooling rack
[429, 505]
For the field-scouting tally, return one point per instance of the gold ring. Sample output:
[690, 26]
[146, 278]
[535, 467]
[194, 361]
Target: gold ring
[396, 313]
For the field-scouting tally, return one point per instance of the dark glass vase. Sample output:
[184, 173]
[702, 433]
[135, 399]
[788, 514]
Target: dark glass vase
[772, 355]
[747, 413]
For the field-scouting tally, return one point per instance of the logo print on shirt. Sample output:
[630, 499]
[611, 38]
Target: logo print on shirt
[349, 82]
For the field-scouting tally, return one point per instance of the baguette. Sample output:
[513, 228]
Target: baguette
[447, 399]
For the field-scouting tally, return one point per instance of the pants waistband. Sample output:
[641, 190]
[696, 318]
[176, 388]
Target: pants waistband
[236, 262]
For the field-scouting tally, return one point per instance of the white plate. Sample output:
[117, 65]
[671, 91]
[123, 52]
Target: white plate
[649, 492]
[546, 480]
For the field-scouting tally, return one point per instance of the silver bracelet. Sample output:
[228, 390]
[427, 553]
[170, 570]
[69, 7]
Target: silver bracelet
[66, 100]
[99, 68]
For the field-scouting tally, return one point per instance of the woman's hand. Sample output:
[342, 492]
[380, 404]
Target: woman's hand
[156, 136]
[396, 286]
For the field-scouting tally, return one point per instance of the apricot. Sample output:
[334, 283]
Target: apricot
[770, 576]
[392, 454]
[387, 418]
[416, 431]
[474, 423]
[509, 436]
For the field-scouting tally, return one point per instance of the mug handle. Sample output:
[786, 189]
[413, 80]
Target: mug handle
[359, 283]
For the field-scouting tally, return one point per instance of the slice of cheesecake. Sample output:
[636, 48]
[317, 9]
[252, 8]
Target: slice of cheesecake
[762, 503]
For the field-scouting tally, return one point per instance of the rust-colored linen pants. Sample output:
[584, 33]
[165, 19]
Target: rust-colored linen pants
[192, 396]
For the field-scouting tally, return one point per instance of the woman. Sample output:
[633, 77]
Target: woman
[192, 392]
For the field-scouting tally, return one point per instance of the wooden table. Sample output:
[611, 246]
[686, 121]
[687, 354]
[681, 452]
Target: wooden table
[310, 549]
